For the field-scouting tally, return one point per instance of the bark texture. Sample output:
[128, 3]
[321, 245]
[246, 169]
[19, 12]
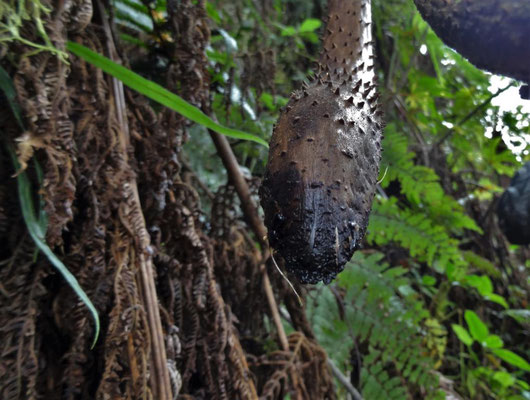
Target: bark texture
[492, 34]
[325, 151]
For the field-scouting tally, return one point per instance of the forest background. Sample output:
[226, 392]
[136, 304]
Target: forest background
[136, 206]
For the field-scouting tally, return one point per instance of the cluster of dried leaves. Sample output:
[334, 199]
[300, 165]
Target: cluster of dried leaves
[181, 304]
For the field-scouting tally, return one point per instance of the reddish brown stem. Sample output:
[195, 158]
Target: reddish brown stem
[256, 224]
[161, 383]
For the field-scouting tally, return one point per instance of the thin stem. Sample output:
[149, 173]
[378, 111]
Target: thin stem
[256, 224]
[160, 375]
[473, 112]
[337, 373]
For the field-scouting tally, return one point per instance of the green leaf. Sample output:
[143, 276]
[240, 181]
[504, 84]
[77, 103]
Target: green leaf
[521, 316]
[134, 20]
[493, 342]
[309, 25]
[137, 6]
[511, 358]
[524, 385]
[496, 298]
[485, 288]
[213, 13]
[37, 226]
[7, 87]
[481, 283]
[268, 100]
[310, 36]
[479, 330]
[131, 39]
[157, 93]
[37, 232]
[288, 31]
[504, 378]
[462, 334]
[481, 263]
[230, 42]
[428, 280]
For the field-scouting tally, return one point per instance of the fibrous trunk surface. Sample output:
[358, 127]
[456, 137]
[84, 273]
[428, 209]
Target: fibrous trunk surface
[325, 152]
[119, 203]
[492, 34]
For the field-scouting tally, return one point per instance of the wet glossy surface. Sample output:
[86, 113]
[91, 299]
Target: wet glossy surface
[324, 154]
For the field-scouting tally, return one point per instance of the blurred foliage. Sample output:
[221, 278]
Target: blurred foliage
[437, 302]
[13, 15]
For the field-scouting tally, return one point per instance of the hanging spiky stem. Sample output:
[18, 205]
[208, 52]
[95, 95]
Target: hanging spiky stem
[492, 34]
[325, 151]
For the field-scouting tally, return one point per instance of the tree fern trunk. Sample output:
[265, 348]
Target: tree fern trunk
[492, 34]
[324, 153]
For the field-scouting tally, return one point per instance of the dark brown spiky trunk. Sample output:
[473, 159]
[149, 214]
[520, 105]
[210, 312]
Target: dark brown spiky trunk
[325, 151]
[492, 34]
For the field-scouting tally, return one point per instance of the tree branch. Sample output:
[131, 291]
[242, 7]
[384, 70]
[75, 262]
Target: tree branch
[472, 113]
[337, 373]
[250, 211]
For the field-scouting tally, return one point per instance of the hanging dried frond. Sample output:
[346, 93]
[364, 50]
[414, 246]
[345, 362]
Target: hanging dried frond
[306, 360]
[209, 288]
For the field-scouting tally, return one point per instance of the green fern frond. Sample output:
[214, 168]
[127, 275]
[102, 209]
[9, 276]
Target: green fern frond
[415, 232]
[377, 384]
[481, 264]
[420, 184]
[375, 314]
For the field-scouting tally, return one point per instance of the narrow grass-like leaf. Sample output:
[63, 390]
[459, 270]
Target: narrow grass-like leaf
[9, 91]
[37, 231]
[37, 226]
[135, 6]
[157, 93]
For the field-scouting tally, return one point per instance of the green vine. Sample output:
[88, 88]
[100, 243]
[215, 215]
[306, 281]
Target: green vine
[15, 13]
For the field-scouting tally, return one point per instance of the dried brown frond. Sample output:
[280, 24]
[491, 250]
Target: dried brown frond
[22, 293]
[208, 281]
[306, 361]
